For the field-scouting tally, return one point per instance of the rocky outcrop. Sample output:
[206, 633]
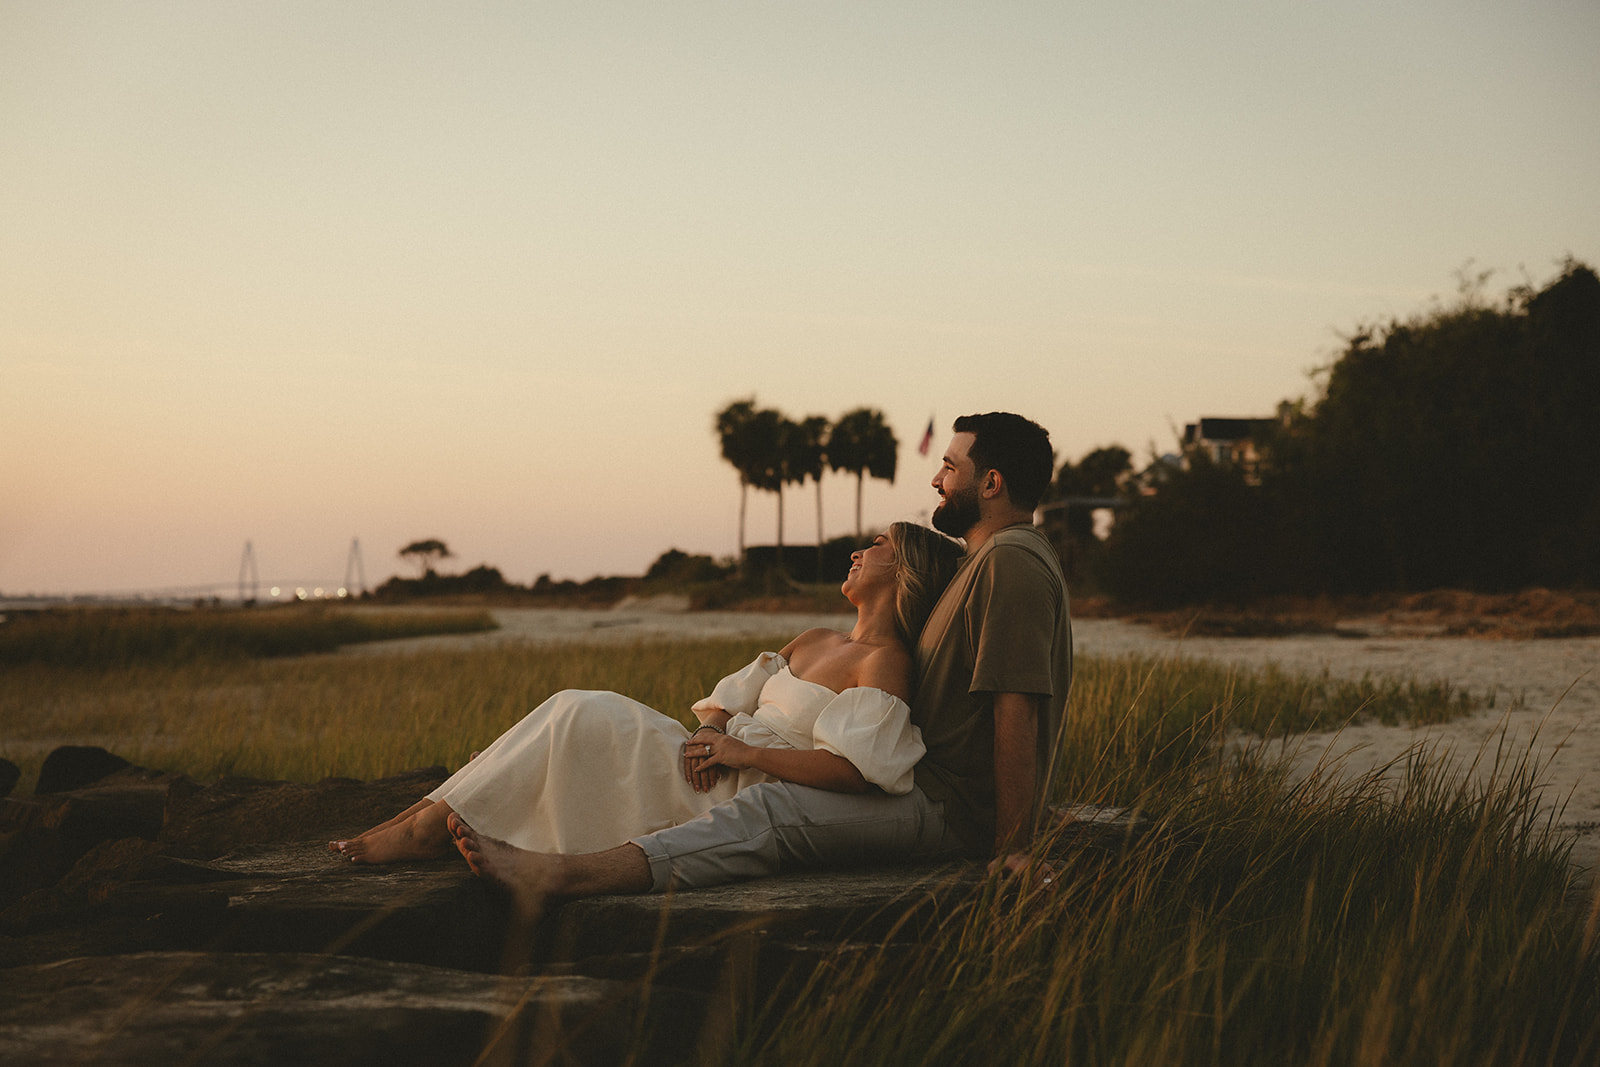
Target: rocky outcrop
[75, 766]
[240, 813]
[42, 837]
[149, 919]
[311, 1009]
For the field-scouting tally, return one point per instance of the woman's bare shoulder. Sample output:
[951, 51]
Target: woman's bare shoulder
[890, 668]
[815, 638]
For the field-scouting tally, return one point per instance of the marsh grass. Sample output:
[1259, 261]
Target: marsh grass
[310, 717]
[1404, 915]
[210, 710]
[95, 638]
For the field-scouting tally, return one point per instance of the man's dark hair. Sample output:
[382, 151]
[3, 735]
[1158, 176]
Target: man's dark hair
[1016, 447]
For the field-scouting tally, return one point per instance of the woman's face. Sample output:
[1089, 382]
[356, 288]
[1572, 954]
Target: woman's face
[871, 566]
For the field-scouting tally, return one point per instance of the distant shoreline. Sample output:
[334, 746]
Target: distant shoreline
[1528, 614]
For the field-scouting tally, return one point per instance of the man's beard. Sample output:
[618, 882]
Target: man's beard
[957, 513]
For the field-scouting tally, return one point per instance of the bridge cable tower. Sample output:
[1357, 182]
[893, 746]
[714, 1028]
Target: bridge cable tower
[249, 577]
[355, 573]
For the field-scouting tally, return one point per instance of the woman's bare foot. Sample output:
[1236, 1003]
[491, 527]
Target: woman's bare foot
[422, 836]
[411, 812]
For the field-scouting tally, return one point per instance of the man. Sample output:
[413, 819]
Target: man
[994, 661]
[995, 657]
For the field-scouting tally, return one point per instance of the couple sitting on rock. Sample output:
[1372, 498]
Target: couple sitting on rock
[924, 733]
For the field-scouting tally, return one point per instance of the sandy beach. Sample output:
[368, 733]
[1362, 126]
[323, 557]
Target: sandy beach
[1544, 694]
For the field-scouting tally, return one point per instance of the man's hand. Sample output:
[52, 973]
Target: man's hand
[1010, 865]
[1029, 876]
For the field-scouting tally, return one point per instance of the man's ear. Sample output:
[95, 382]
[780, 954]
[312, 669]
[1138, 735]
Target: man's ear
[992, 485]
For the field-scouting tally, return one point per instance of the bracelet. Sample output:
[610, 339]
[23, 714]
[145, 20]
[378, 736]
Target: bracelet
[708, 726]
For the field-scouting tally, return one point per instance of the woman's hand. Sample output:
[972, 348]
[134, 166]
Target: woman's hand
[728, 752]
[708, 755]
[700, 774]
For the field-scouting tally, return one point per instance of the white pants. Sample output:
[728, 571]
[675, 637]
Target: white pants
[779, 826]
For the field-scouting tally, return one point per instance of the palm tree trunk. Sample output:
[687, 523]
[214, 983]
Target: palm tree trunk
[860, 477]
[780, 528]
[816, 570]
[744, 496]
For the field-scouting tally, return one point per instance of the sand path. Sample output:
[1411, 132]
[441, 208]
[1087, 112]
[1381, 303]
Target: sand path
[1545, 694]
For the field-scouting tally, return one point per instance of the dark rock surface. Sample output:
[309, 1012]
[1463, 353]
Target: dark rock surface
[42, 837]
[203, 823]
[10, 774]
[185, 923]
[75, 766]
[283, 1008]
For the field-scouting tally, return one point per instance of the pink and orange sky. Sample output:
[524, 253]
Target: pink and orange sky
[298, 273]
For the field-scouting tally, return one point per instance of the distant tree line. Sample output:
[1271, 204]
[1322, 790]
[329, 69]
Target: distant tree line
[672, 571]
[769, 450]
[1457, 448]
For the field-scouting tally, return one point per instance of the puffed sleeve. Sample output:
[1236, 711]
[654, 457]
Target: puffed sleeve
[741, 691]
[873, 730]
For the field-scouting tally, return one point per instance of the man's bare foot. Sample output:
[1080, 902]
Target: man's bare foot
[532, 876]
[423, 836]
[527, 876]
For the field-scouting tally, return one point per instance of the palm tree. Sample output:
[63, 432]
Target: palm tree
[733, 431]
[862, 443]
[808, 455]
[765, 440]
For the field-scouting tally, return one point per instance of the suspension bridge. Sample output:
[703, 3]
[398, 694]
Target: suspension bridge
[250, 588]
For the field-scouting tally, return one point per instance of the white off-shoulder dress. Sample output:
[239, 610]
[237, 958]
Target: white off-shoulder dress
[588, 770]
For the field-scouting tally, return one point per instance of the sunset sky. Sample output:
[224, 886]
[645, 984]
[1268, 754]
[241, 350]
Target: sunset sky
[298, 273]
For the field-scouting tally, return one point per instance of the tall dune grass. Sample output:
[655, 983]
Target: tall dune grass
[1139, 728]
[1407, 915]
[1329, 922]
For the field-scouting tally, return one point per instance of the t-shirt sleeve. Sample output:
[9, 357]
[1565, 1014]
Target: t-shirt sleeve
[1014, 607]
[741, 691]
[873, 730]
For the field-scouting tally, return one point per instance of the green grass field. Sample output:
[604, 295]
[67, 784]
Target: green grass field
[1403, 916]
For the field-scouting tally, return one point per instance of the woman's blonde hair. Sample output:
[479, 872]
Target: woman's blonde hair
[925, 561]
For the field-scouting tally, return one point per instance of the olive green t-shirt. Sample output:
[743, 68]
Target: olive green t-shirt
[1001, 626]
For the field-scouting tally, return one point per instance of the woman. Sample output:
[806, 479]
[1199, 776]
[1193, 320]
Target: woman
[588, 770]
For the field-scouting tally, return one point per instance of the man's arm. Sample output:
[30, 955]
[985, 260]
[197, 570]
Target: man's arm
[1016, 731]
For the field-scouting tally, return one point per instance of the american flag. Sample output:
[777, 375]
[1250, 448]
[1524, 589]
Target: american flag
[927, 438]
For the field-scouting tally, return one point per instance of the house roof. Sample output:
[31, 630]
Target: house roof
[1218, 428]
